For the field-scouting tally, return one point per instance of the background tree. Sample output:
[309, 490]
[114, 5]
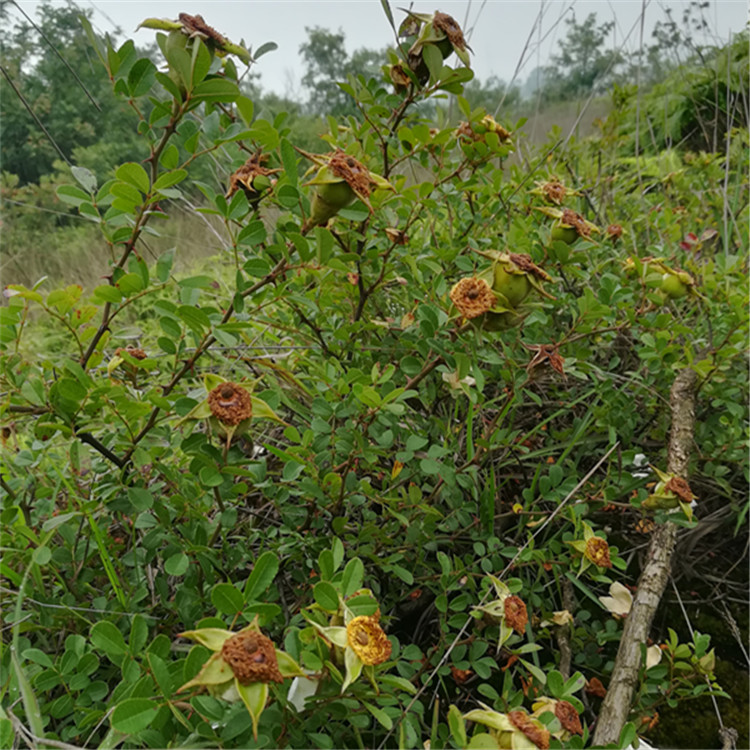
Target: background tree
[583, 64]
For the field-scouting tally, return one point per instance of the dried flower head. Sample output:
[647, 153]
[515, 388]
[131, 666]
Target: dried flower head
[568, 717]
[354, 172]
[230, 403]
[478, 130]
[449, 26]
[196, 26]
[679, 487]
[594, 687]
[532, 729]
[554, 191]
[515, 613]
[132, 351]
[368, 640]
[614, 232]
[472, 297]
[244, 176]
[597, 550]
[572, 219]
[252, 658]
[545, 354]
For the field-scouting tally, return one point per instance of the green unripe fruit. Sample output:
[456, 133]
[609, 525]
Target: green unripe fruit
[493, 321]
[673, 286]
[515, 287]
[328, 200]
[445, 47]
[568, 235]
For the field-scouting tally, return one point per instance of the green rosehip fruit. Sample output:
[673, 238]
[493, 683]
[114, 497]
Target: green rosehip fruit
[568, 235]
[673, 286]
[328, 200]
[515, 287]
[493, 321]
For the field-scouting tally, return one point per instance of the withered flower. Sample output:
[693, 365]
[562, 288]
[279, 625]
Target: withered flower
[532, 729]
[575, 220]
[679, 487]
[246, 175]
[515, 613]
[568, 717]
[134, 352]
[252, 657]
[196, 26]
[472, 297]
[449, 26]
[230, 403]
[368, 640]
[477, 131]
[545, 354]
[241, 667]
[597, 550]
[594, 687]
[614, 232]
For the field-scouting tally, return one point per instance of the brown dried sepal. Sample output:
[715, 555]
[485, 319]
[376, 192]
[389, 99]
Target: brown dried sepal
[572, 219]
[230, 404]
[449, 26]
[473, 297]
[527, 265]
[597, 550]
[354, 172]
[545, 353]
[568, 717]
[195, 25]
[515, 613]
[554, 191]
[132, 351]
[537, 734]
[244, 176]
[680, 488]
[252, 658]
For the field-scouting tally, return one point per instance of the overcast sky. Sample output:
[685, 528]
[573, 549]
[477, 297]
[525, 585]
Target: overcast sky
[498, 30]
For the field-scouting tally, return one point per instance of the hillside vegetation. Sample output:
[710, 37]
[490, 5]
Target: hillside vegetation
[397, 424]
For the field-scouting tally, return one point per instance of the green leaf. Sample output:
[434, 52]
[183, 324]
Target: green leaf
[135, 175]
[170, 178]
[7, 736]
[326, 596]
[177, 565]
[227, 599]
[289, 159]
[141, 77]
[216, 90]
[133, 715]
[353, 577]
[264, 49]
[105, 636]
[434, 60]
[246, 108]
[457, 726]
[85, 177]
[72, 195]
[381, 716]
[107, 293]
[261, 577]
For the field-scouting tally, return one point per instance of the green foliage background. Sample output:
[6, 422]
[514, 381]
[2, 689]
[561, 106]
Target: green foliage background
[413, 453]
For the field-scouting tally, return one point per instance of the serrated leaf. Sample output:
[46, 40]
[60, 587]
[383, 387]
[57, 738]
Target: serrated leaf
[227, 599]
[265, 49]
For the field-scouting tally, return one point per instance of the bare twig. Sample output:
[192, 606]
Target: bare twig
[653, 580]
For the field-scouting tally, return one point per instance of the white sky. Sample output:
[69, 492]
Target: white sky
[498, 30]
